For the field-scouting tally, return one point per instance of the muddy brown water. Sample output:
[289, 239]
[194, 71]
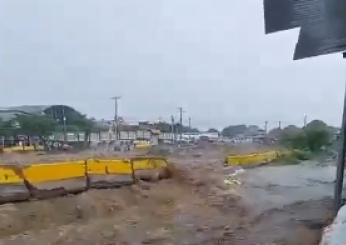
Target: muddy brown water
[273, 205]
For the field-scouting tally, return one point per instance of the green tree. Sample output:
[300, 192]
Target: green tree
[6, 128]
[84, 124]
[233, 130]
[40, 126]
[316, 138]
[312, 137]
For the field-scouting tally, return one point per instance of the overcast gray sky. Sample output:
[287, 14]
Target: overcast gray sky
[211, 57]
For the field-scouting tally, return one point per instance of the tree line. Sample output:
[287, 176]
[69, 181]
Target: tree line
[43, 126]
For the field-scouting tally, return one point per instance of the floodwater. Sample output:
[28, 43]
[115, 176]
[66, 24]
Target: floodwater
[290, 204]
[276, 186]
[284, 205]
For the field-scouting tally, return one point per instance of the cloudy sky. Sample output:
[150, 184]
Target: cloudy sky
[210, 57]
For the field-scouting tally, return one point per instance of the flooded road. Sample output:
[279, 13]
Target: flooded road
[276, 186]
[289, 203]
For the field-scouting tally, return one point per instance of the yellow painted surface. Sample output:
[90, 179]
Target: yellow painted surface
[142, 146]
[120, 167]
[143, 164]
[38, 173]
[95, 166]
[149, 163]
[9, 176]
[252, 159]
[271, 155]
[160, 163]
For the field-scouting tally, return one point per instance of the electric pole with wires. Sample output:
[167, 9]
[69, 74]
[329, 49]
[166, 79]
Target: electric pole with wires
[116, 117]
[181, 111]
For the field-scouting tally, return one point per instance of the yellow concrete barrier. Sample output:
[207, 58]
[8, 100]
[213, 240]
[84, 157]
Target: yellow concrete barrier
[271, 155]
[12, 185]
[150, 168]
[54, 179]
[46, 180]
[109, 173]
[252, 159]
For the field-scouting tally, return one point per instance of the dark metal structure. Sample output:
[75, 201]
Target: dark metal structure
[322, 26]
[322, 23]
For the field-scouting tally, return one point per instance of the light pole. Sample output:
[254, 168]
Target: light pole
[116, 117]
[64, 125]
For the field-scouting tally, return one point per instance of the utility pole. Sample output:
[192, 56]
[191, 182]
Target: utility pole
[172, 129]
[181, 123]
[305, 120]
[189, 128]
[266, 126]
[116, 117]
[64, 124]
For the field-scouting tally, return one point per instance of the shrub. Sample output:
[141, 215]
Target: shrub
[308, 139]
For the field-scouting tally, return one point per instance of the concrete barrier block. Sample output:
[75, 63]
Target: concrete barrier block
[150, 168]
[13, 193]
[12, 185]
[49, 189]
[253, 159]
[148, 162]
[109, 181]
[109, 173]
[152, 174]
[141, 163]
[147, 175]
[56, 179]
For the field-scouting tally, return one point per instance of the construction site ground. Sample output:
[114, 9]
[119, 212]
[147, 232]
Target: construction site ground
[264, 205]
